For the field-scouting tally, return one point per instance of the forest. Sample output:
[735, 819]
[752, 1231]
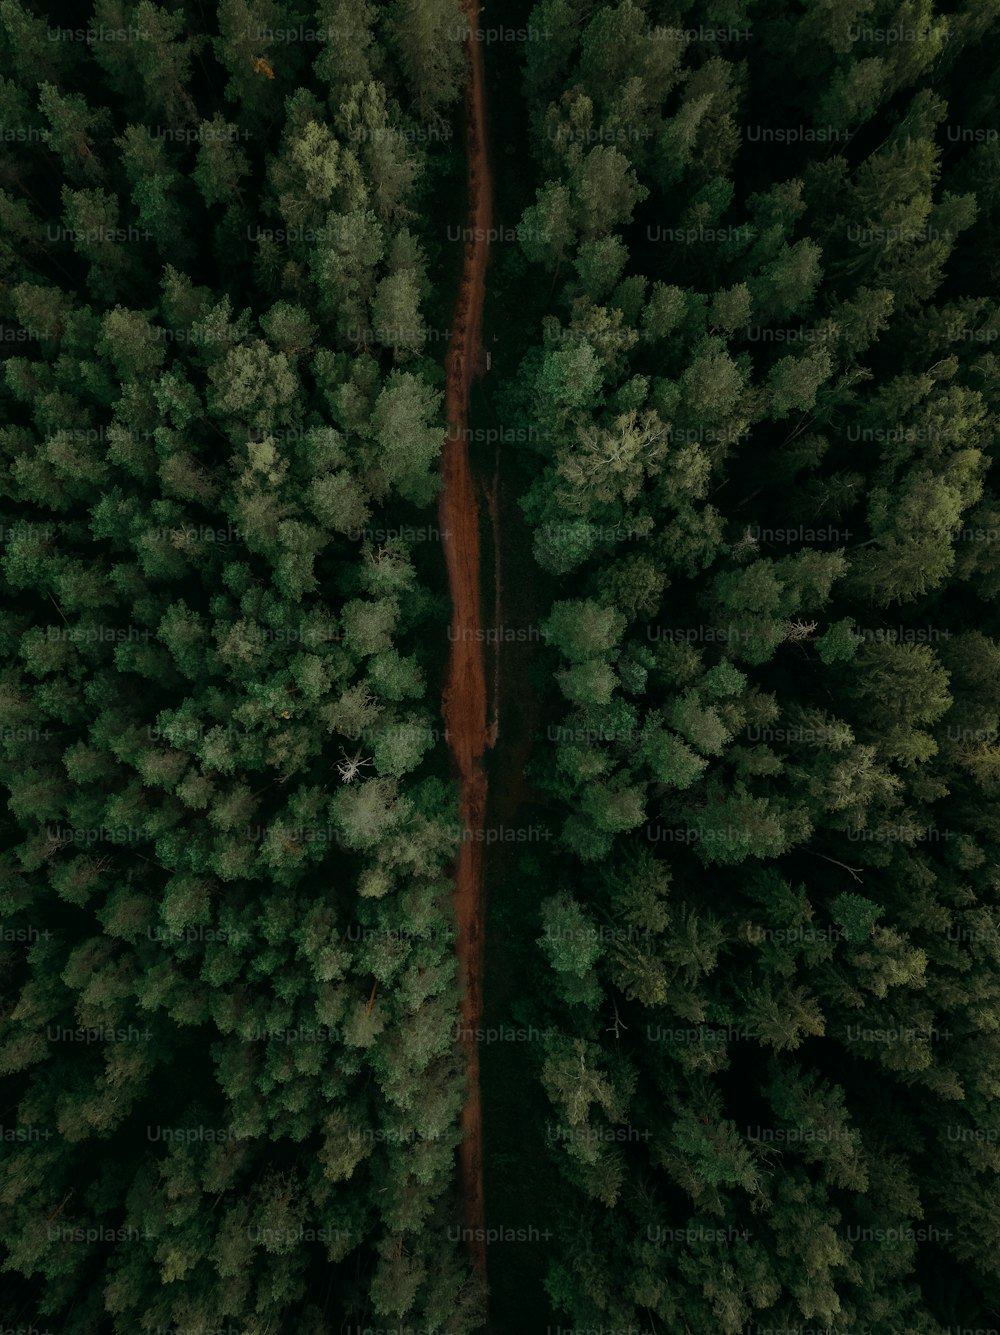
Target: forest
[668, 1006]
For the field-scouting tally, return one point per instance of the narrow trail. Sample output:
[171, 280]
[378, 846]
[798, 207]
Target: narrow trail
[464, 697]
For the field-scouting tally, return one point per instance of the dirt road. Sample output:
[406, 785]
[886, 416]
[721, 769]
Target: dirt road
[464, 701]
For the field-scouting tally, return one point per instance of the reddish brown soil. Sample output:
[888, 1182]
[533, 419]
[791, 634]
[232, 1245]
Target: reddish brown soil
[493, 503]
[464, 700]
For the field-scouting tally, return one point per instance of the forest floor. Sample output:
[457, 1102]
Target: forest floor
[464, 697]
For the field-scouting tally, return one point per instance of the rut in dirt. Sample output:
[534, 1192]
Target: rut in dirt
[464, 696]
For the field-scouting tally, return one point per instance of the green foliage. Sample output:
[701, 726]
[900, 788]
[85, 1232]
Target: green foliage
[785, 413]
[856, 915]
[743, 318]
[214, 685]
